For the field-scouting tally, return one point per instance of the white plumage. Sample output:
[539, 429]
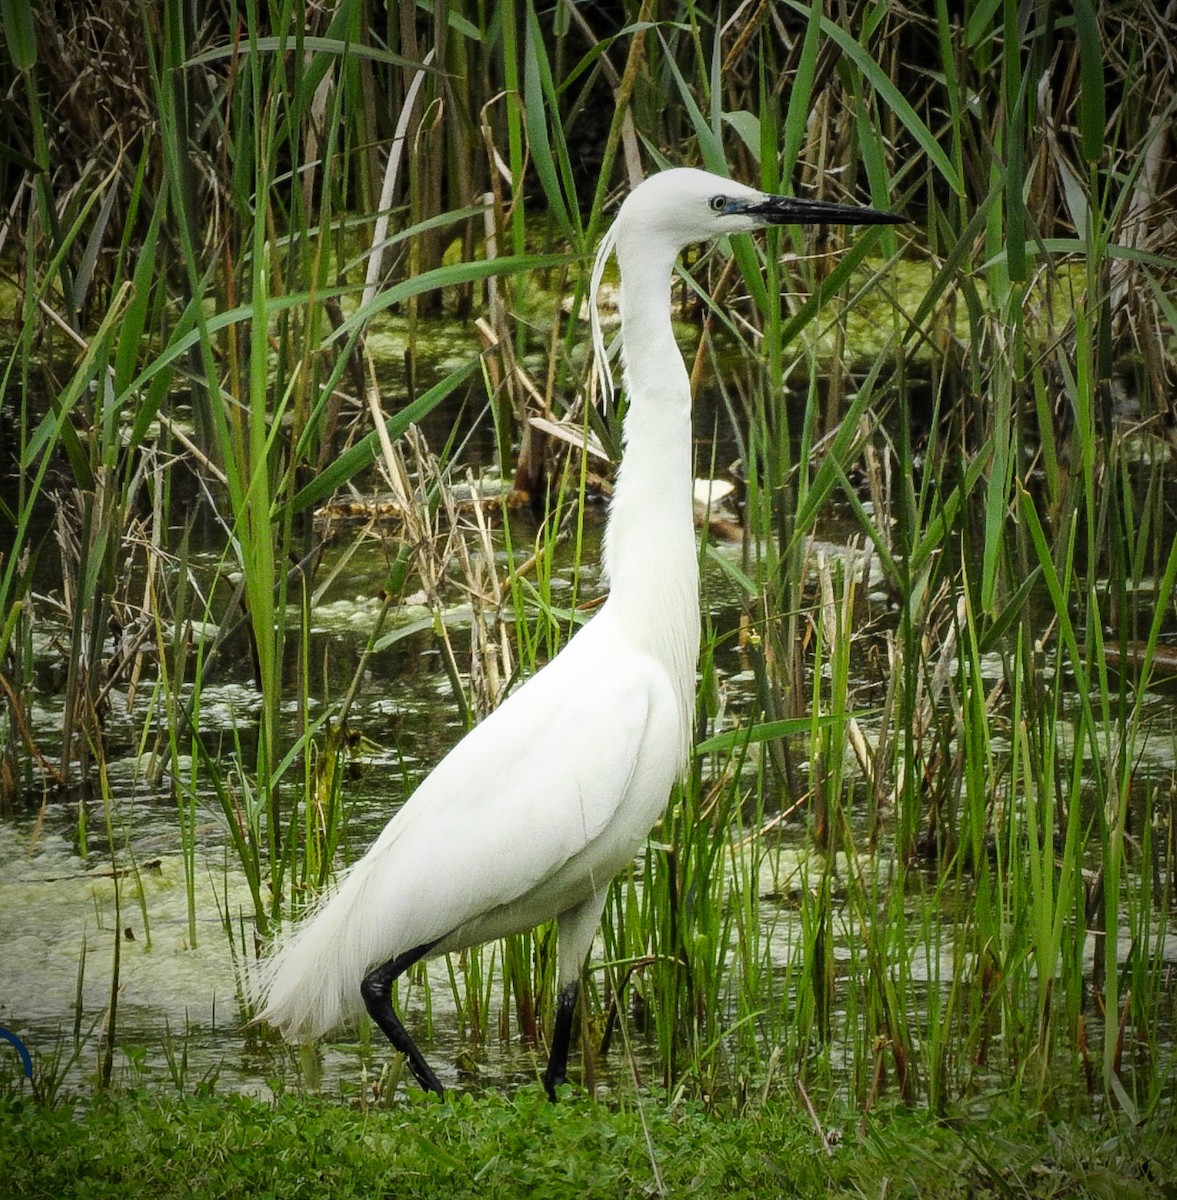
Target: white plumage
[525, 818]
[532, 814]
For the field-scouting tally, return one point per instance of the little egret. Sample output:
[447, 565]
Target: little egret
[538, 807]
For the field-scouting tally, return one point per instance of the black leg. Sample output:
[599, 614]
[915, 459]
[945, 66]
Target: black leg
[557, 1071]
[376, 989]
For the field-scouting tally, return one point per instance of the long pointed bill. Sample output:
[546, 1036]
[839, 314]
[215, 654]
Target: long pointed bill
[790, 210]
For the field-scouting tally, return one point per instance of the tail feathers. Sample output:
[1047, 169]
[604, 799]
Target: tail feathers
[310, 984]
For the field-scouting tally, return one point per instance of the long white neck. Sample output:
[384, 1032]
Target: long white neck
[650, 554]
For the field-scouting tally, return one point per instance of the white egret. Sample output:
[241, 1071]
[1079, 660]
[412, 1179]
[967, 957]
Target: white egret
[537, 808]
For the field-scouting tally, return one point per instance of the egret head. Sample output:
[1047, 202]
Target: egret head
[675, 208]
[685, 205]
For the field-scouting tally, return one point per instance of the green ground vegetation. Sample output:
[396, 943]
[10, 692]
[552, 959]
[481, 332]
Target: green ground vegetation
[231, 1146]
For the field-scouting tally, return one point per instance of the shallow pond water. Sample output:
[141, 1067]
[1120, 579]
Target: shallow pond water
[179, 982]
[179, 1016]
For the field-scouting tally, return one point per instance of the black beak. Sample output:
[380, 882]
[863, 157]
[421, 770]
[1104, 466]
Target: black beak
[790, 210]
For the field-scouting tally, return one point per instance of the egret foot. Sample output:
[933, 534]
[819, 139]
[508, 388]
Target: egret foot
[376, 989]
[557, 1069]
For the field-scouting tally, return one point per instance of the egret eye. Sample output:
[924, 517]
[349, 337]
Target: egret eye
[717, 203]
